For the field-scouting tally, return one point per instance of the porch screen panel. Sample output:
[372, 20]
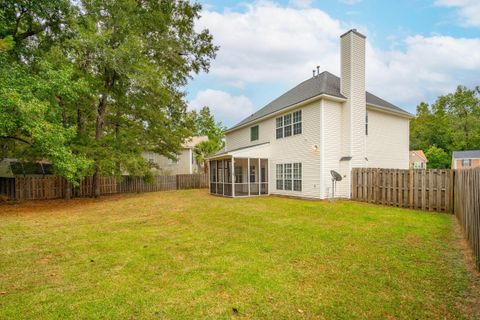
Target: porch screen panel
[213, 171]
[238, 174]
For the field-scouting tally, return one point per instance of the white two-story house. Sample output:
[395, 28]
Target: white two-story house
[290, 146]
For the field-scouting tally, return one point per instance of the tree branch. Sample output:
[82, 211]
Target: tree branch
[18, 139]
[31, 32]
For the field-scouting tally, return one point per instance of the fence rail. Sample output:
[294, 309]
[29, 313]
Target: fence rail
[53, 187]
[430, 190]
[467, 207]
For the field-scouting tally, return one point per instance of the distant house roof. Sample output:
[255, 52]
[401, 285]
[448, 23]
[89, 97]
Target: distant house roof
[13, 167]
[224, 152]
[324, 83]
[193, 141]
[467, 154]
[420, 154]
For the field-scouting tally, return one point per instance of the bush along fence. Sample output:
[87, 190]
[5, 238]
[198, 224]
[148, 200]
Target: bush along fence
[467, 207]
[430, 190]
[53, 187]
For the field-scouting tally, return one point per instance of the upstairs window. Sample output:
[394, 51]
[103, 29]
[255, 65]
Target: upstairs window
[279, 132]
[289, 124]
[254, 133]
[297, 122]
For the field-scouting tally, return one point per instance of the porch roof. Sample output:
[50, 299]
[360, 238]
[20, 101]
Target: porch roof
[260, 150]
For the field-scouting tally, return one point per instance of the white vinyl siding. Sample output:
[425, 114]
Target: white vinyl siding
[387, 141]
[387, 147]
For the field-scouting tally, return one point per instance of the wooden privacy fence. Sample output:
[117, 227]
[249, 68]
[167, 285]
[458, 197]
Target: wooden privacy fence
[467, 207]
[430, 189]
[53, 187]
[192, 181]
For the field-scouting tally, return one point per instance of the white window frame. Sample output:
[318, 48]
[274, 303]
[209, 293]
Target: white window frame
[297, 122]
[464, 161]
[289, 176]
[279, 176]
[288, 125]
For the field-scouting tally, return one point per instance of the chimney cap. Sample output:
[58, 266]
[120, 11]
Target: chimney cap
[355, 32]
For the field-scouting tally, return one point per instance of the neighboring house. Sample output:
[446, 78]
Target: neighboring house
[10, 168]
[184, 164]
[466, 159]
[290, 146]
[418, 160]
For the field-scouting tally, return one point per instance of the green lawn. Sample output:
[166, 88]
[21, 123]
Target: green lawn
[188, 255]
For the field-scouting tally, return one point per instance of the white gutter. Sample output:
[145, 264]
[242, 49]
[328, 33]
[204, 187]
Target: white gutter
[293, 106]
[390, 111]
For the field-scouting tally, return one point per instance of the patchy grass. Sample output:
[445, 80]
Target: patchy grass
[186, 255]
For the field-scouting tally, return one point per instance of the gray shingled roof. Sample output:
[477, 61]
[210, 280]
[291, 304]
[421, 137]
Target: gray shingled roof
[225, 151]
[466, 154]
[324, 83]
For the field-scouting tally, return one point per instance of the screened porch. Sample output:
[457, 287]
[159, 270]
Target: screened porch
[239, 177]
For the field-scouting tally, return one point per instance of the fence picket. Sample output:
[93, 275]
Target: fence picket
[53, 187]
[414, 189]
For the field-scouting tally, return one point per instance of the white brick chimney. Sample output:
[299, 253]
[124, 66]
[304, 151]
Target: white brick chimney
[352, 86]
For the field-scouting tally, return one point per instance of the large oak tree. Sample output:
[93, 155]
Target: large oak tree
[112, 75]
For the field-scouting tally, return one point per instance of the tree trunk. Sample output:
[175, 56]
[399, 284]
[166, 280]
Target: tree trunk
[68, 190]
[79, 122]
[101, 111]
[98, 135]
[205, 166]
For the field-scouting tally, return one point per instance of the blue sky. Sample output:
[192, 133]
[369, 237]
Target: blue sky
[416, 50]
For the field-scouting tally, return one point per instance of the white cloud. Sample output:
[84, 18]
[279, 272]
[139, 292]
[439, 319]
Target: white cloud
[468, 10]
[300, 3]
[426, 67]
[268, 42]
[279, 45]
[226, 108]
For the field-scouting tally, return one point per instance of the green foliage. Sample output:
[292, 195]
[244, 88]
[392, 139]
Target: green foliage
[206, 125]
[205, 149]
[91, 89]
[32, 121]
[6, 43]
[451, 123]
[215, 131]
[437, 158]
